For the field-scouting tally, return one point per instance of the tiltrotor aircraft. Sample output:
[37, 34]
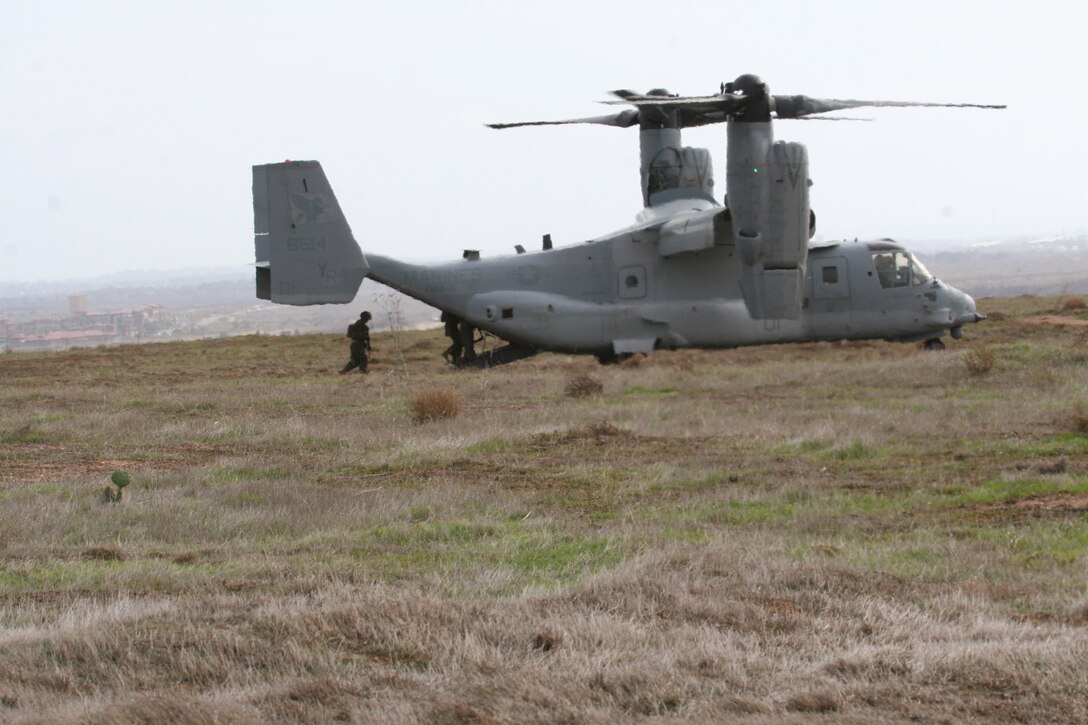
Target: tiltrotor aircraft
[691, 272]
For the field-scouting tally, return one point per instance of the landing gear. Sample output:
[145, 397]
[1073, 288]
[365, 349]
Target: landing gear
[934, 344]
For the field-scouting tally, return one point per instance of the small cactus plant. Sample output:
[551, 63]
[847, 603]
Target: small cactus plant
[120, 479]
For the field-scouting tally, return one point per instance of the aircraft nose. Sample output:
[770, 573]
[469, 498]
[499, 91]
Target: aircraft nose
[961, 309]
[965, 311]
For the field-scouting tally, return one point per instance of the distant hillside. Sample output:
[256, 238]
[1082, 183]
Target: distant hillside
[1042, 266]
[216, 305]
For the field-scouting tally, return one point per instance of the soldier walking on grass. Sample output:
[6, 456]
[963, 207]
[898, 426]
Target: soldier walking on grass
[360, 344]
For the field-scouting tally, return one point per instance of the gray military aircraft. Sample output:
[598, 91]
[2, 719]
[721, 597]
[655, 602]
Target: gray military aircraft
[691, 272]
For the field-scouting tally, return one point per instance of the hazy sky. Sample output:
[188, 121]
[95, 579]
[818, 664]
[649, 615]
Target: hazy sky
[129, 128]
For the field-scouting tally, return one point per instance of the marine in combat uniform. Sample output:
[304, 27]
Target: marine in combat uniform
[468, 335]
[450, 324]
[360, 344]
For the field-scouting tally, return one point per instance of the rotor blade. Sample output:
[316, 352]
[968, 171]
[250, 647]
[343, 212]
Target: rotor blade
[825, 118]
[798, 106]
[692, 110]
[727, 102]
[623, 119]
[627, 95]
[690, 118]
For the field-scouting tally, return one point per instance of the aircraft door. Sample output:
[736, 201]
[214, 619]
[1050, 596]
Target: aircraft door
[830, 278]
[830, 309]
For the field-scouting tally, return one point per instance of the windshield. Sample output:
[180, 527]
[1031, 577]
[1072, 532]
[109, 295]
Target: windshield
[899, 269]
[920, 274]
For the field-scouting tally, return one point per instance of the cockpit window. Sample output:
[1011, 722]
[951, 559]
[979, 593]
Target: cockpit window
[892, 269]
[920, 275]
[899, 269]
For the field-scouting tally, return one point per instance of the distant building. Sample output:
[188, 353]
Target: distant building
[85, 329]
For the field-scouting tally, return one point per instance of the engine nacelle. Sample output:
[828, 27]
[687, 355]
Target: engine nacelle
[768, 199]
[671, 170]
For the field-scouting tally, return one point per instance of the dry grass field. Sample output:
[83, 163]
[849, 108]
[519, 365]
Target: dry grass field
[860, 532]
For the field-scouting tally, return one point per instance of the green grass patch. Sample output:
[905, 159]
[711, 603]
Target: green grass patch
[551, 559]
[537, 556]
[828, 450]
[644, 391]
[401, 564]
[426, 533]
[1005, 490]
[697, 483]
[807, 446]
[1039, 545]
[305, 444]
[239, 474]
[491, 445]
[853, 451]
[1062, 444]
[100, 575]
[187, 408]
[917, 555]
[59, 574]
[742, 513]
[356, 471]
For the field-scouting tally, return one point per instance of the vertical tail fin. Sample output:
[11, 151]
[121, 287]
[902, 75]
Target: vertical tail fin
[306, 254]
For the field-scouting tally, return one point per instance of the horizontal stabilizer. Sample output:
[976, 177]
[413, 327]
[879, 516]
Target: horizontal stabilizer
[306, 254]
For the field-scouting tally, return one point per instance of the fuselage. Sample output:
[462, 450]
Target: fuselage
[620, 294]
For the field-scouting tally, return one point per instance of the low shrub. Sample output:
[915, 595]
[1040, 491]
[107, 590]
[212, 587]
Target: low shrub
[547, 640]
[818, 701]
[979, 361]
[434, 403]
[103, 553]
[1074, 303]
[684, 360]
[583, 386]
[595, 431]
[1080, 418]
